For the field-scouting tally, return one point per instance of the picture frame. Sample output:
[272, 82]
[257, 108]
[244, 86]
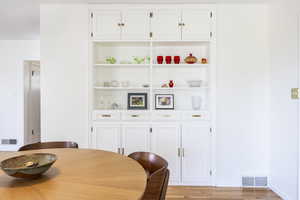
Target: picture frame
[164, 101]
[137, 101]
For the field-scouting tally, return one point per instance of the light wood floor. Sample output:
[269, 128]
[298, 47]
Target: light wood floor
[219, 193]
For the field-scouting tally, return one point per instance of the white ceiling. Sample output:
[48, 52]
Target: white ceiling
[19, 19]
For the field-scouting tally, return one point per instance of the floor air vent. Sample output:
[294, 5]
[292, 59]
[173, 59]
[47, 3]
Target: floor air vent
[252, 181]
[8, 141]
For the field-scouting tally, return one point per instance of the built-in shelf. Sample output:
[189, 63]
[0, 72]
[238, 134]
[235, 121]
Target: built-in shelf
[121, 88]
[122, 65]
[180, 65]
[181, 88]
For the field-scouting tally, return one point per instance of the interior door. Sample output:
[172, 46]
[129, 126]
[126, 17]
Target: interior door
[106, 137]
[196, 24]
[107, 24]
[196, 155]
[135, 138]
[136, 24]
[165, 141]
[34, 104]
[165, 24]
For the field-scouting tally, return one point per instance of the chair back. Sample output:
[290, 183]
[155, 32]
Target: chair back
[157, 174]
[49, 145]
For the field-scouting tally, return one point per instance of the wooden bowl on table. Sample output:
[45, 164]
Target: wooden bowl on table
[28, 166]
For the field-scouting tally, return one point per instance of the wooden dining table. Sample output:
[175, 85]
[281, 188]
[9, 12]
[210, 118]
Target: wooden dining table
[78, 174]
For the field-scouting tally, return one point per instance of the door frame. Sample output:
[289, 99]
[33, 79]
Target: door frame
[298, 60]
[26, 69]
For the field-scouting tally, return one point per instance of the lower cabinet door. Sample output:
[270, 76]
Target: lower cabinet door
[135, 138]
[165, 141]
[106, 137]
[196, 155]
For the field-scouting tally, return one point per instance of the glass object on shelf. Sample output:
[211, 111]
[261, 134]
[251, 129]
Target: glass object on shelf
[101, 102]
[114, 83]
[125, 83]
[196, 102]
[138, 60]
[110, 60]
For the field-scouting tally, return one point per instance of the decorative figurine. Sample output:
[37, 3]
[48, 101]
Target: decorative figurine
[190, 59]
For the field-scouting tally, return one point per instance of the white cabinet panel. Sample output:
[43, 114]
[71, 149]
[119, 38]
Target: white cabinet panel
[196, 150]
[106, 137]
[165, 24]
[165, 141]
[135, 138]
[136, 24]
[106, 24]
[197, 24]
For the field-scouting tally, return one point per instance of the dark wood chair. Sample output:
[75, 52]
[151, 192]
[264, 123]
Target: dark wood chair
[157, 174]
[49, 145]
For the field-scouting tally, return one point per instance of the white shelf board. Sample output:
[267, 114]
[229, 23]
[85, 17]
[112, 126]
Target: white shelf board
[181, 88]
[121, 41]
[122, 65]
[121, 88]
[181, 65]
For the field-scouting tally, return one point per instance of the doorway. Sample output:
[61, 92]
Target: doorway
[32, 99]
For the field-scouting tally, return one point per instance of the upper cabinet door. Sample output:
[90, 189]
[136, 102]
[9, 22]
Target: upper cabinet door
[136, 24]
[165, 24]
[196, 155]
[107, 25]
[196, 24]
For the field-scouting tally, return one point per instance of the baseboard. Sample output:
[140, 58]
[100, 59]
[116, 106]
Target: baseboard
[275, 190]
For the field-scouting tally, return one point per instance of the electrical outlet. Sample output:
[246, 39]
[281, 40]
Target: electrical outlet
[295, 93]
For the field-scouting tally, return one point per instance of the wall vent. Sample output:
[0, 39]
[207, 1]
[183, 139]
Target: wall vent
[9, 141]
[254, 181]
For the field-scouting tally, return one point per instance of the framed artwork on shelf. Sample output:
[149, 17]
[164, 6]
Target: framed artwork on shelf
[137, 101]
[164, 101]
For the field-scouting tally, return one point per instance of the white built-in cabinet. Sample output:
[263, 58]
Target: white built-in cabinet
[131, 24]
[158, 24]
[135, 137]
[165, 141]
[187, 147]
[183, 136]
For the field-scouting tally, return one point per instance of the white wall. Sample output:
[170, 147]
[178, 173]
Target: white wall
[242, 92]
[242, 124]
[12, 56]
[284, 110]
[64, 71]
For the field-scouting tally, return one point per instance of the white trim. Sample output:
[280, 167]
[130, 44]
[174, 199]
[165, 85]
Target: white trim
[275, 190]
[298, 107]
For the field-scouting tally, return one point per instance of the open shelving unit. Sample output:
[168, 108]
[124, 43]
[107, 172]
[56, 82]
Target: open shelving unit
[151, 73]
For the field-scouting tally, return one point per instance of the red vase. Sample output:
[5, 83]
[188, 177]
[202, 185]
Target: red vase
[176, 59]
[171, 83]
[160, 59]
[168, 59]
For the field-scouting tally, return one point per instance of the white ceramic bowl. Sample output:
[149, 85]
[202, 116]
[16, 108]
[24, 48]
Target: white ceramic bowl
[195, 83]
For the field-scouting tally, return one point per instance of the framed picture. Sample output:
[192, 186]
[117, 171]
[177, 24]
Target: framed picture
[164, 101]
[137, 101]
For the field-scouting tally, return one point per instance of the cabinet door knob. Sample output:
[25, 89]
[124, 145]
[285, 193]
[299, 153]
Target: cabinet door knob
[119, 24]
[178, 152]
[182, 152]
[122, 24]
[179, 24]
